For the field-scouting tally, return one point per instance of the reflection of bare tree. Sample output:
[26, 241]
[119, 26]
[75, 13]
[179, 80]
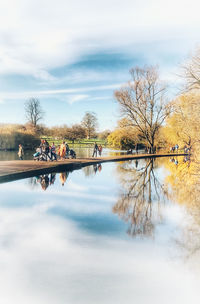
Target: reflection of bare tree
[140, 197]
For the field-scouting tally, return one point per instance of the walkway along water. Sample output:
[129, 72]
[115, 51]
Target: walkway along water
[14, 170]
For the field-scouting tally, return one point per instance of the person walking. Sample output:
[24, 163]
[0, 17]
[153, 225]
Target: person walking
[176, 147]
[95, 150]
[21, 152]
[62, 150]
[53, 152]
[67, 150]
[100, 148]
[47, 150]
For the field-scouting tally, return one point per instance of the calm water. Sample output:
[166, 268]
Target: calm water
[118, 233]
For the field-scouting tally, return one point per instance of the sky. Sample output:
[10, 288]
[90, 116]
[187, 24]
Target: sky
[72, 55]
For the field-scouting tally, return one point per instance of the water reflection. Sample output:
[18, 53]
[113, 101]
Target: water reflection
[60, 245]
[184, 181]
[63, 177]
[46, 180]
[90, 171]
[140, 197]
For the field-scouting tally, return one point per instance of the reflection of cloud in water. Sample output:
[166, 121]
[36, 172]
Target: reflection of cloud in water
[46, 260]
[65, 246]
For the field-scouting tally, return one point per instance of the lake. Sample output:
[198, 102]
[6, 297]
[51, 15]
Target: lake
[125, 232]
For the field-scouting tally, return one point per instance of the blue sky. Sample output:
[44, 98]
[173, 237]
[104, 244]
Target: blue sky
[72, 55]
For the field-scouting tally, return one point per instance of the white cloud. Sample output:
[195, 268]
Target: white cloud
[36, 36]
[77, 97]
[48, 93]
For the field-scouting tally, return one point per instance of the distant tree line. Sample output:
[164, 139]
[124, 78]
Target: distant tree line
[34, 114]
[29, 134]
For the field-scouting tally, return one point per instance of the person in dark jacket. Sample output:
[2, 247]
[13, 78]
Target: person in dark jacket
[95, 150]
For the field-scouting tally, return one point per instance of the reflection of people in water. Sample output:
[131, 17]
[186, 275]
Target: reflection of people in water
[95, 168]
[136, 163]
[99, 167]
[52, 178]
[44, 181]
[63, 177]
[173, 160]
[186, 158]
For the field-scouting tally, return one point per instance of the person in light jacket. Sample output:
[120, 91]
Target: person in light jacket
[21, 152]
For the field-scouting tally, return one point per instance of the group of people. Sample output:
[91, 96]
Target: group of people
[97, 167]
[187, 149]
[173, 160]
[48, 152]
[97, 149]
[45, 151]
[174, 148]
[46, 180]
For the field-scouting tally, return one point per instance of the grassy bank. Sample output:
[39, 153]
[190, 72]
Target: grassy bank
[76, 143]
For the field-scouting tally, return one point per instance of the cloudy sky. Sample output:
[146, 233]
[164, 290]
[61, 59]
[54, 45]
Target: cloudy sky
[73, 54]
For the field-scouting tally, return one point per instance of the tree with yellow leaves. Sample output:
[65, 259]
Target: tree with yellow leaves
[124, 136]
[184, 124]
[122, 139]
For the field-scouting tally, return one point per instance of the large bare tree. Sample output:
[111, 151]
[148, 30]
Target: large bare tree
[142, 101]
[33, 111]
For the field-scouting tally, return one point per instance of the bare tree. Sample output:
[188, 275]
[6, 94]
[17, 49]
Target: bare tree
[142, 101]
[192, 71]
[90, 123]
[33, 111]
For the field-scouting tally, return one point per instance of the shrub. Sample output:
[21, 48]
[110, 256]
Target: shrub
[11, 141]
